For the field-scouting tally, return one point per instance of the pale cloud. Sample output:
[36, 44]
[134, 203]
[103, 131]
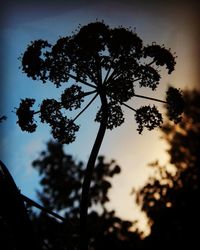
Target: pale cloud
[33, 147]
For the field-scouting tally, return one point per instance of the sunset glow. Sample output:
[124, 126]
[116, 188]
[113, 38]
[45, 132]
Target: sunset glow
[173, 26]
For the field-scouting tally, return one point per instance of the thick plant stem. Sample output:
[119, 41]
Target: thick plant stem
[88, 175]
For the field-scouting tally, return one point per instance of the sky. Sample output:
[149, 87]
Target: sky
[173, 23]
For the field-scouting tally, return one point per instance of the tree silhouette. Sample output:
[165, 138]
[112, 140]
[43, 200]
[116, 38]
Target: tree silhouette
[61, 181]
[111, 62]
[171, 200]
[15, 226]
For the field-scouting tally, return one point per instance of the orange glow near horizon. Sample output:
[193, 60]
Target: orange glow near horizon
[133, 161]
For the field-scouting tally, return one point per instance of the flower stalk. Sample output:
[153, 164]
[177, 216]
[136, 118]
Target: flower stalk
[88, 174]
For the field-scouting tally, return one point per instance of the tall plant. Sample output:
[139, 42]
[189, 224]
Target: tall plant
[110, 62]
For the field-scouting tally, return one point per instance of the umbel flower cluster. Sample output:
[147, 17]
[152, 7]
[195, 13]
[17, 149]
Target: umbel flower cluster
[112, 62]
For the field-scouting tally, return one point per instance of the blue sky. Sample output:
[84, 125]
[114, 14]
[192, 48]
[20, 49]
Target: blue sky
[173, 25]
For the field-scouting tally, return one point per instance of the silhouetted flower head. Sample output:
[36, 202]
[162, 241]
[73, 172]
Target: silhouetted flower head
[63, 129]
[115, 115]
[72, 97]
[149, 77]
[148, 117]
[120, 90]
[25, 115]
[161, 56]
[32, 62]
[111, 61]
[175, 104]
[50, 111]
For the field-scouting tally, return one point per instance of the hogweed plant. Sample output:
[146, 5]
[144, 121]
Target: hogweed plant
[109, 63]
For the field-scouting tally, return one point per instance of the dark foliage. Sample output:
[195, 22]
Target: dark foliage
[175, 104]
[171, 201]
[61, 181]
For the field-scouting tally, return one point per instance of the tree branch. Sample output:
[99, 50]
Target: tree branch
[48, 211]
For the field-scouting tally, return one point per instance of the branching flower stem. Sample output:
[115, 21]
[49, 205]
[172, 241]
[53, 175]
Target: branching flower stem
[85, 94]
[126, 105]
[112, 75]
[88, 174]
[145, 97]
[150, 98]
[109, 70]
[91, 101]
[115, 74]
[82, 81]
